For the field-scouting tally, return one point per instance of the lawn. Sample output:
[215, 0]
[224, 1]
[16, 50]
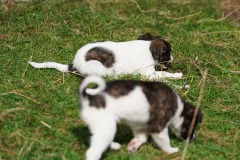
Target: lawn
[39, 108]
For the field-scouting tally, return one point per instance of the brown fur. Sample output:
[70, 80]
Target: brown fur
[163, 105]
[159, 47]
[102, 55]
[119, 89]
[188, 112]
[97, 101]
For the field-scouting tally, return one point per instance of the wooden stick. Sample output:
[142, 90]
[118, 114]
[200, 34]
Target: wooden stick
[204, 77]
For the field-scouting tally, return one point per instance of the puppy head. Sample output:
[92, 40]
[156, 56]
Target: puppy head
[161, 52]
[160, 49]
[187, 114]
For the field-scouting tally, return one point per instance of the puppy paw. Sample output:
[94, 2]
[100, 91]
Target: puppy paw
[115, 146]
[132, 147]
[172, 150]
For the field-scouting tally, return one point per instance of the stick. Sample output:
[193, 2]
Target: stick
[140, 9]
[188, 16]
[195, 113]
[45, 124]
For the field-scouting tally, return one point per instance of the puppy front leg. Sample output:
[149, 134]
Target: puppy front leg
[103, 135]
[140, 137]
[152, 74]
[163, 141]
[164, 74]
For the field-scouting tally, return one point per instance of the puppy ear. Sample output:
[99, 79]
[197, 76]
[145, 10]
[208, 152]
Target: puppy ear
[168, 46]
[157, 48]
[146, 37]
[199, 116]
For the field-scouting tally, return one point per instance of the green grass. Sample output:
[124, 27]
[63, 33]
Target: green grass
[39, 108]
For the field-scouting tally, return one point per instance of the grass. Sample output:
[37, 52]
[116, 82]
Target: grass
[38, 108]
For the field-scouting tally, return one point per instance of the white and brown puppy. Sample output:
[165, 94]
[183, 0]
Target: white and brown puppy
[116, 58]
[149, 108]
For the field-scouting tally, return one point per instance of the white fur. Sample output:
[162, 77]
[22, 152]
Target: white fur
[133, 109]
[163, 141]
[131, 57]
[58, 66]
[93, 79]
[177, 119]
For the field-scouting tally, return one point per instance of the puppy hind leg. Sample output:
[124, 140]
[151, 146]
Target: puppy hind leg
[163, 141]
[140, 137]
[103, 135]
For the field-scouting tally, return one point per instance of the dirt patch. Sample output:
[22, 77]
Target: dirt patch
[6, 4]
[230, 9]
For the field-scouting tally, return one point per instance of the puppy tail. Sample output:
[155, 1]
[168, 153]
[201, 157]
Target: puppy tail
[58, 66]
[101, 85]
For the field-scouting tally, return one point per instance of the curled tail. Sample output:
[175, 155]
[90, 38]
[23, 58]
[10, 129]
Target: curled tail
[101, 85]
[58, 66]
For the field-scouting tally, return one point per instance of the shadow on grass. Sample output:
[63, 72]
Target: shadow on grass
[83, 135]
[123, 135]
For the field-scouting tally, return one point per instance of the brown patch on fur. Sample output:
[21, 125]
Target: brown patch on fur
[157, 48]
[97, 101]
[102, 55]
[163, 105]
[71, 68]
[119, 88]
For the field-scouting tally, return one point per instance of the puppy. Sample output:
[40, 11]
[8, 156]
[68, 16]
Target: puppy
[116, 58]
[149, 108]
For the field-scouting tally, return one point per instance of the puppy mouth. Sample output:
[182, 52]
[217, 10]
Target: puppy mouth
[164, 64]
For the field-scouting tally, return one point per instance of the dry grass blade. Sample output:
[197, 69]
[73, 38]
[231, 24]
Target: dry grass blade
[235, 72]
[140, 9]
[26, 68]
[5, 112]
[185, 17]
[204, 77]
[45, 124]
[22, 149]
[19, 94]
